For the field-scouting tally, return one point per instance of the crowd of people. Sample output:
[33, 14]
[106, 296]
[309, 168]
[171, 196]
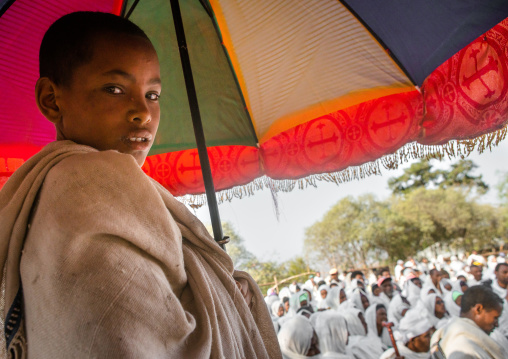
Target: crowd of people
[441, 308]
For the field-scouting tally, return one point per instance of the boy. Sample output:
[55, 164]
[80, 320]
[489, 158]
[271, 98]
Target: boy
[100, 260]
[468, 336]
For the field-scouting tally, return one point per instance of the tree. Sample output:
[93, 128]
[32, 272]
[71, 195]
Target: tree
[235, 248]
[422, 175]
[502, 188]
[261, 271]
[362, 232]
[295, 266]
[345, 236]
[447, 216]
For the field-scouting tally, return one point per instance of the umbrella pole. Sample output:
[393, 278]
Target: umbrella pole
[198, 126]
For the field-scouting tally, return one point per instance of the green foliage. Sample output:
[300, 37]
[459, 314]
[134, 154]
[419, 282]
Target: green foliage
[502, 188]
[261, 271]
[345, 235]
[361, 232]
[294, 267]
[422, 175]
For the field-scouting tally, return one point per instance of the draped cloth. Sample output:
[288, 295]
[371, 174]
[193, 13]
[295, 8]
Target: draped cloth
[332, 333]
[371, 319]
[295, 337]
[112, 265]
[463, 339]
[360, 345]
[428, 306]
[405, 352]
[395, 309]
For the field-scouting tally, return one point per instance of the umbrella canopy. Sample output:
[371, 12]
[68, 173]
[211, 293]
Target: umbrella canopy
[286, 89]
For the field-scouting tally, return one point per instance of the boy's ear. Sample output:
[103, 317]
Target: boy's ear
[479, 309]
[45, 96]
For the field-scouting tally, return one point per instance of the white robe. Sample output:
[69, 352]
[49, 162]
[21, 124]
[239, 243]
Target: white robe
[405, 352]
[332, 333]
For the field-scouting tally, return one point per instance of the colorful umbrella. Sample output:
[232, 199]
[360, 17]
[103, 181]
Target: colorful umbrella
[289, 90]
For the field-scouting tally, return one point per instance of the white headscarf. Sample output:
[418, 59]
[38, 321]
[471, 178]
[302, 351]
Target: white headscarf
[371, 319]
[411, 292]
[451, 305]
[361, 345]
[292, 287]
[295, 337]
[270, 299]
[274, 308]
[414, 324]
[294, 302]
[429, 305]
[322, 303]
[333, 300]
[332, 333]
[356, 298]
[395, 309]
[354, 284]
[354, 324]
[285, 292]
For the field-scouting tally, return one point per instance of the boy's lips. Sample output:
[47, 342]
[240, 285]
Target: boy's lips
[138, 140]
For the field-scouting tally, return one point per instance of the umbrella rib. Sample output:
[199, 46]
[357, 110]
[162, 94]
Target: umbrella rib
[6, 6]
[369, 29]
[198, 125]
[129, 13]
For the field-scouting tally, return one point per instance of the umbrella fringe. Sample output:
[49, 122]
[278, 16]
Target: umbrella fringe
[410, 151]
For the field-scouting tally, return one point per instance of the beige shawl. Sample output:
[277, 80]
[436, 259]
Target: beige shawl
[463, 339]
[105, 273]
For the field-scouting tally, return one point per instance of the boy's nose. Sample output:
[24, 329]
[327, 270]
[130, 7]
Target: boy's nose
[140, 111]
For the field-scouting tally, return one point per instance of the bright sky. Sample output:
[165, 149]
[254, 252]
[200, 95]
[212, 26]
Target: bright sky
[255, 221]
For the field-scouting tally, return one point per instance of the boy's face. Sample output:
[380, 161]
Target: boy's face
[112, 102]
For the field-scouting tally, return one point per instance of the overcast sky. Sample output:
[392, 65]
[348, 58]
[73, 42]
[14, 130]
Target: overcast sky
[255, 221]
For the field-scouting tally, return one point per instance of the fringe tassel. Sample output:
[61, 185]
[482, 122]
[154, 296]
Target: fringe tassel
[410, 151]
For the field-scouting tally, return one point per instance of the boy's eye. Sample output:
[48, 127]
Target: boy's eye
[153, 96]
[114, 90]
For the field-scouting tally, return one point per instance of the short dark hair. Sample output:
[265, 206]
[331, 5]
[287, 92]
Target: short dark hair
[479, 294]
[285, 299]
[444, 272]
[373, 287]
[499, 266]
[432, 271]
[68, 43]
[355, 273]
[380, 306]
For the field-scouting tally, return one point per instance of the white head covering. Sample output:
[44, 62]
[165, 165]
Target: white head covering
[270, 299]
[294, 302]
[285, 292]
[412, 325]
[292, 287]
[321, 303]
[331, 330]
[429, 305]
[354, 283]
[411, 292]
[450, 305]
[356, 298]
[274, 308]
[371, 319]
[354, 324]
[295, 337]
[361, 345]
[333, 300]
[395, 309]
